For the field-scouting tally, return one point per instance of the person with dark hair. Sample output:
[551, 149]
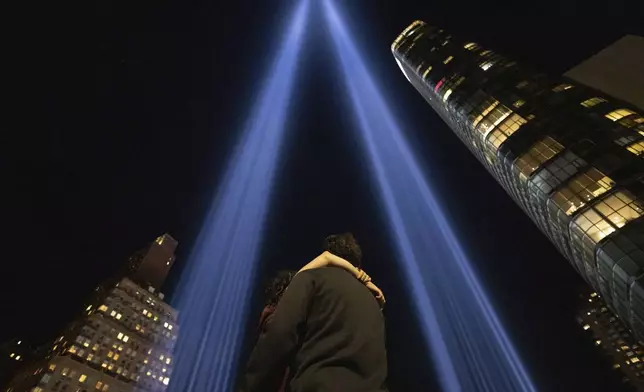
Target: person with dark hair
[327, 328]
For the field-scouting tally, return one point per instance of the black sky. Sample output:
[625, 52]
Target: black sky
[126, 122]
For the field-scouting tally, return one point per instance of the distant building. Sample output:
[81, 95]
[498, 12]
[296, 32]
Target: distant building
[616, 70]
[150, 265]
[612, 336]
[122, 342]
[569, 155]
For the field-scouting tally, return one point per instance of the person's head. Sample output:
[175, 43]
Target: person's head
[345, 246]
[276, 287]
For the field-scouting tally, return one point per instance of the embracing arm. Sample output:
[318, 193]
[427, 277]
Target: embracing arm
[327, 259]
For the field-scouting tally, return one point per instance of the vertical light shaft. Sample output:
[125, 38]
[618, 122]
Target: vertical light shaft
[213, 293]
[470, 349]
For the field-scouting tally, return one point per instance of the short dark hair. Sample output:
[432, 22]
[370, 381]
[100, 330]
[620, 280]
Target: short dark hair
[344, 245]
[276, 287]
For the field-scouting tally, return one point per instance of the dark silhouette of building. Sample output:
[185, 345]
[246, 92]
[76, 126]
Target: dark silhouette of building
[569, 155]
[150, 265]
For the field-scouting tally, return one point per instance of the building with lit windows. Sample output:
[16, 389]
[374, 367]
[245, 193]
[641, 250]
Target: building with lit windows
[611, 336]
[570, 156]
[13, 354]
[122, 342]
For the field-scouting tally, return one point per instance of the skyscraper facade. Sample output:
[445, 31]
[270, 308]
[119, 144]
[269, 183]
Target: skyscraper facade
[121, 342]
[570, 156]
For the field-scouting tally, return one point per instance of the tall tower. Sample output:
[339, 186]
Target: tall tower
[150, 265]
[570, 156]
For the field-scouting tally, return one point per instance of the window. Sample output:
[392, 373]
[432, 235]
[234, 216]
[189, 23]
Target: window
[539, 153]
[427, 71]
[562, 87]
[52, 367]
[72, 349]
[167, 361]
[487, 64]
[119, 336]
[65, 371]
[620, 208]
[632, 122]
[506, 129]
[166, 380]
[126, 338]
[118, 316]
[582, 189]
[485, 52]
[113, 313]
[471, 46]
[82, 378]
[106, 387]
[586, 327]
[493, 119]
[37, 389]
[99, 385]
[618, 114]
[636, 148]
[448, 59]
[116, 357]
[589, 103]
[518, 103]
[488, 104]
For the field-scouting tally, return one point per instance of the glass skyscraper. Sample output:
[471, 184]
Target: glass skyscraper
[571, 157]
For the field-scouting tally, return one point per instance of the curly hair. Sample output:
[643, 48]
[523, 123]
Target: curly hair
[344, 245]
[276, 287]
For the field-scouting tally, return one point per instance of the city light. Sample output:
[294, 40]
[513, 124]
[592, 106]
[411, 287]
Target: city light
[214, 289]
[470, 349]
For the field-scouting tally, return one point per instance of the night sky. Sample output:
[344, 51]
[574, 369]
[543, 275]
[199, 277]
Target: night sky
[126, 119]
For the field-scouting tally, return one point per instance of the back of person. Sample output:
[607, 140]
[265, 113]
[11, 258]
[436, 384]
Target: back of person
[342, 341]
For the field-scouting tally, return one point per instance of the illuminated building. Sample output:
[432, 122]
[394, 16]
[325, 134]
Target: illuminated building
[570, 156]
[611, 335]
[13, 354]
[123, 341]
[150, 265]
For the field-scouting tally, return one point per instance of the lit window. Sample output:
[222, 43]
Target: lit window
[88, 308]
[106, 387]
[620, 208]
[119, 336]
[485, 52]
[118, 316]
[635, 360]
[113, 313]
[619, 114]
[167, 361]
[110, 354]
[616, 366]
[170, 326]
[37, 389]
[148, 373]
[72, 349]
[485, 112]
[82, 378]
[126, 338]
[589, 103]
[447, 94]
[636, 148]
[586, 327]
[471, 46]
[17, 357]
[448, 59]
[427, 71]
[165, 325]
[12, 355]
[562, 87]
[65, 371]
[162, 357]
[493, 119]
[90, 356]
[159, 240]
[506, 129]
[582, 189]
[116, 357]
[487, 64]
[445, 42]
[138, 327]
[518, 103]
[145, 311]
[52, 367]
[598, 342]
[99, 385]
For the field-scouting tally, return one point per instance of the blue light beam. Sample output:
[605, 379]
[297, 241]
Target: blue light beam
[469, 347]
[214, 290]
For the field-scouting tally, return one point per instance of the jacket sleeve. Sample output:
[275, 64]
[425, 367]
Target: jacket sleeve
[276, 346]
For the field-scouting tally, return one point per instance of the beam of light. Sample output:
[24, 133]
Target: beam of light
[469, 347]
[214, 290]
